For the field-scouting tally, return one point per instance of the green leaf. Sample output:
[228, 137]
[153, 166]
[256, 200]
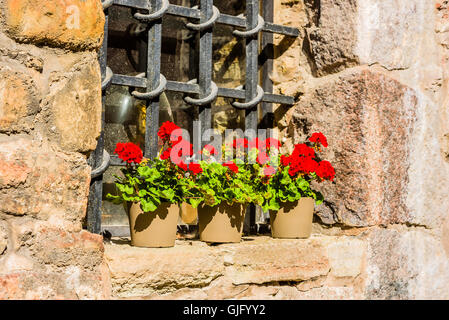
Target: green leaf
[148, 205]
[195, 202]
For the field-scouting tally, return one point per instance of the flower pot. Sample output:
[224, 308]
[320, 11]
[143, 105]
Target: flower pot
[154, 229]
[293, 220]
[189, 214]
[222, 223]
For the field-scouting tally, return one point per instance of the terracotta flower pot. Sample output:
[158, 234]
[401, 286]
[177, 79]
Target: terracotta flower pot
[153, 229]
[222, 223]
[293, 220]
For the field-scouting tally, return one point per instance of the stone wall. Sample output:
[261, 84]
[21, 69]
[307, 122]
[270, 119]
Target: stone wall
[373, 75]
[50, 108]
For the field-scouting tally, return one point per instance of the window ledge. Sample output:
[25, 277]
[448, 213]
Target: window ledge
[260, 260]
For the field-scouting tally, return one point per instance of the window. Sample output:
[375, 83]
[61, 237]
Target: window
[181, 60]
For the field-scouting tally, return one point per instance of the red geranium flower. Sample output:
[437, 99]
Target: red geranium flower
[182, 165]
[195, 168]
[232, 166]
[303, 165]
[269, 171]
[285, 161]
[166, 154]
[166, 130]
[318, 137]
[325, 170]
[302, 150]
[129, 152]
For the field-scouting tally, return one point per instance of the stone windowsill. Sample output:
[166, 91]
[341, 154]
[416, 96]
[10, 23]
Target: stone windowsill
[218, 271]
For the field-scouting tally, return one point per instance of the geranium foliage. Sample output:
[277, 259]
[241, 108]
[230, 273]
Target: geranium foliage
[254, 171]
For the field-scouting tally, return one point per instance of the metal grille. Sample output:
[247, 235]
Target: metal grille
[202, 91]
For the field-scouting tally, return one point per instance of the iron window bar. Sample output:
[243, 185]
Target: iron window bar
[204, 88]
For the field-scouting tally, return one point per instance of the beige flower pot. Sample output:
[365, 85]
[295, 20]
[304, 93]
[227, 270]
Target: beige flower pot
[222, 223]
[293, 220]
[189, 214]
[154, 229]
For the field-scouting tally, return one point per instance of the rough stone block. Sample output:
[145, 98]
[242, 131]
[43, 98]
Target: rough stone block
[369, 120]
[75, 24]
[347, 257]
[333, 35]
[36, 181]
[264, 261]
[144, 271]
[406, 264]
[18, 101]
[74, 107]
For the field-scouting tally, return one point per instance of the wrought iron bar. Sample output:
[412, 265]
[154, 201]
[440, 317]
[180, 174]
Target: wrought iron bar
[96, 158]
[195, 13]
[205, 65]
[193, 88]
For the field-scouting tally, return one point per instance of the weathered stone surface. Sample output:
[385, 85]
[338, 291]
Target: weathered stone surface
[406, 264]
[74, 107]
[346, 257]
[66, 249]
[18, 101]
[50, 263]
[368, 119]
[75, 24]
[142, 271]
[264, 260]
[395, 34]
[46, 184]
[332, 37]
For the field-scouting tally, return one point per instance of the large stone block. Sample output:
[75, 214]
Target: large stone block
[19, 101]
[266, 261]
[142, 271]
[406, 264]
[75, 24]
[369, 120]
[394, 34]
[333, 35]
[74, 107]
[36, 181]
[51, 263]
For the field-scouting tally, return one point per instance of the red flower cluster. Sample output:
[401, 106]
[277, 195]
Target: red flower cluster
[325, 170]
[195, 168]
[129, 152]
[232, 166]
[302, 150]
[302, 160]
[318, 137]
[166, 130]
[303, 165]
